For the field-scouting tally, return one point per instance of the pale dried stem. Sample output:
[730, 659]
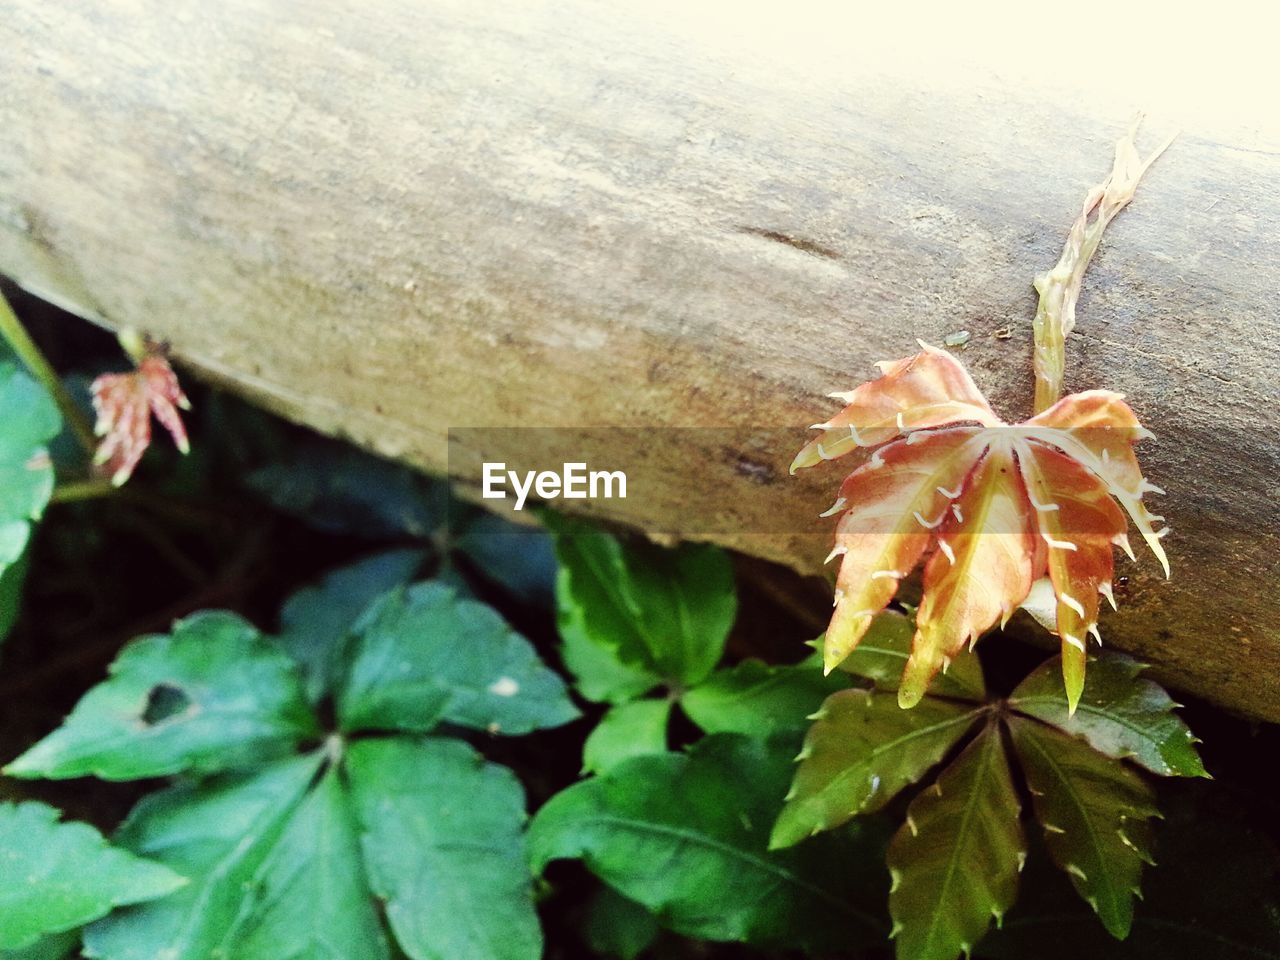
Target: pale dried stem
[1059, 288]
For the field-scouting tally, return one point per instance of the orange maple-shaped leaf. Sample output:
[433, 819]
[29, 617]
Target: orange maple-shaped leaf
[994, 507]
[125, 403]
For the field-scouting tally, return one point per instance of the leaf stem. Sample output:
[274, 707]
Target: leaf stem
[1059, 288]
[82, 490]
[16, 335]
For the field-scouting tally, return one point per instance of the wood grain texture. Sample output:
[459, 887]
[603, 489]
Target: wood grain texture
[387, 220]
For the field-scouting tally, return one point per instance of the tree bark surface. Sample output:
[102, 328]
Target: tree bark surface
[389, 220]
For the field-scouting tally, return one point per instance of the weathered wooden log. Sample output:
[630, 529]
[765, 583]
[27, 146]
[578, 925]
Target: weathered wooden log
[388, 220]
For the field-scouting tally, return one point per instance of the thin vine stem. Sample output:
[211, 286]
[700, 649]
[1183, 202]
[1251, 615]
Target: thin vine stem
[15, 334]
[82, 490]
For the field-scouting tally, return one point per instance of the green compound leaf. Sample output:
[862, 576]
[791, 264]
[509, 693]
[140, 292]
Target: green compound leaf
[59, 876]
[659, 613]
[442, 838]
[310, 896]
[955, 862]
[685, 836]
[220, 834]
[627, 730]
[759, 700]
[425, 655]
[1120, 714]
[1095, 814]
[881, 655]
[214, 695]
[316, 621]
[618, 927]
[861, 751]
[29, 422]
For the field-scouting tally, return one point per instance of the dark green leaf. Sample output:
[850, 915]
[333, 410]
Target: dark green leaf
[220, 834]
[686, 836]
[12, 580]
[618, 927]
[881, 655]
[955, 862]
[340, 489]
[310, 896]
[663, 612]
[861, 751]
[1120, 714]
[56, 946]
[627, 730]
[60, 876]
[213, 695]
[29, 422]
[522, 559]
[444, 848]
[315, 621]
[424, 655]
[1094, 811]
[760, 700]
[1214, 895]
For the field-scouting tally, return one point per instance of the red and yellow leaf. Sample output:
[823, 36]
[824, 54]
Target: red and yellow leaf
[930, 389]
[894, 502]
[982, 570]
[1080, 524]
[125, 402]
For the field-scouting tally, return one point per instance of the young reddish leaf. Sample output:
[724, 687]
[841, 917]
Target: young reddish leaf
[934, 486]
[125, 403]
[980, 573]
[931, 389]
[1080, 524]
[894, 500]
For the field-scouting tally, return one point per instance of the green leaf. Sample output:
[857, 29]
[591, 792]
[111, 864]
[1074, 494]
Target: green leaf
[627, 730]
[60, 876]
[213, 695]
[618, 927]
[444, 848]
[12, 580]
[522, 559]
[881, 655]
[316, 621]
[220, 834]
[424, 655]
[339, 489]
[30, 421]
[861, 751]
[685, 836]
[760, 700]
[955, 862]
[1214, 896]
[600, 676]
[56, 946]
[310, 895]
[1120, 714]
[1094, 811]
[665, 612]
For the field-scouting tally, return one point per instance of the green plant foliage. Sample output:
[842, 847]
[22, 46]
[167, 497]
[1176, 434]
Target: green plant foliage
[861, 752]
[59, 876]
[213, 695]
[1094, 812]
[12, 579]
[955, 862]
[522, 559]
[466, 666]
[758, 699]
[618, 927]
[29, 423]
[685, 835]
[882, 655]
[56, 946]
[664, 615]
[444, 846]
[298, 833]
[1119, 714]
[316, 621]
[626, 730]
